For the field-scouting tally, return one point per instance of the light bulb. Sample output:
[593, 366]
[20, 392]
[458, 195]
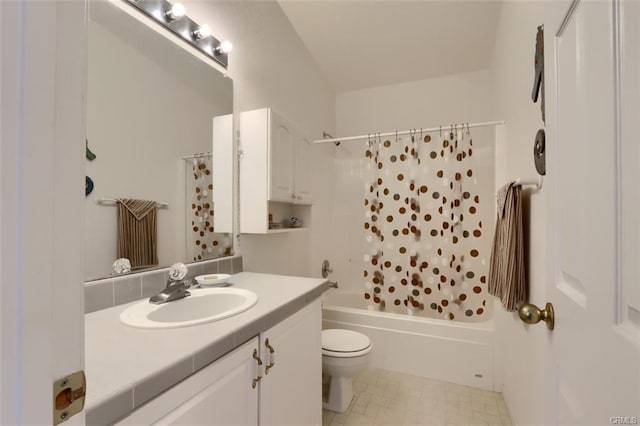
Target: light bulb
[177, 11]
[203, 31]
[224, 47]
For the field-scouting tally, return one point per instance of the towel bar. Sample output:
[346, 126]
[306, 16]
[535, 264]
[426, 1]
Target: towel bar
[110, 201]
[535, 182]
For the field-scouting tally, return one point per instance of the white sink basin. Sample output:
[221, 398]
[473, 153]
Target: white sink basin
[204, 305]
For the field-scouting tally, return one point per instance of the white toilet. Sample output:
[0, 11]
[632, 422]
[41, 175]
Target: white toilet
[345, 354]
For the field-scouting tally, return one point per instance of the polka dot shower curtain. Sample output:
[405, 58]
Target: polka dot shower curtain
[422, 228]
[202, 241]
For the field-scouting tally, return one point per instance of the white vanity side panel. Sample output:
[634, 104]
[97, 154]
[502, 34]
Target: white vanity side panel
[222, 153]
[254, 146]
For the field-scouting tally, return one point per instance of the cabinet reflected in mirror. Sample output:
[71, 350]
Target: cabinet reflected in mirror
[153, 110]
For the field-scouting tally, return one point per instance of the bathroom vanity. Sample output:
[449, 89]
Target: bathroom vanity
[261, 366]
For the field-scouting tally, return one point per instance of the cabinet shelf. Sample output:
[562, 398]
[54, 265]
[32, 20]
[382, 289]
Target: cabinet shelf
[283, 230]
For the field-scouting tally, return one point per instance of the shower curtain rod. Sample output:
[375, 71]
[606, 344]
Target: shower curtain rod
[193, 156]
[407, 132]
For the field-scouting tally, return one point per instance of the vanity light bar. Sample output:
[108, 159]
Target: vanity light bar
[173, 17]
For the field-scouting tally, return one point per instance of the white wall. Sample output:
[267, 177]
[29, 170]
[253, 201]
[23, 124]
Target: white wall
[521, 348]
[446, 100]
[271, 67]
[428, 103]
[148, 104]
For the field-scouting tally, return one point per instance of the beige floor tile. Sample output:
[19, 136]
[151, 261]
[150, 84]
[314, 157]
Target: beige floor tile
[506, 420]
[388, 415]
[327, 417]
[372, 410]
[395, 399]
[358, 419]
[359, 387]
[375, 390]
[362, 398]
[358, 408]
[397, 404]
[339, 419]
[380, 401]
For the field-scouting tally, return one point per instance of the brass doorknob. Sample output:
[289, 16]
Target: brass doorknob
[531, 314]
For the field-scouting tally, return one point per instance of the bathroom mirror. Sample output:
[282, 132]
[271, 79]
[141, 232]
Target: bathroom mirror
[151, 111]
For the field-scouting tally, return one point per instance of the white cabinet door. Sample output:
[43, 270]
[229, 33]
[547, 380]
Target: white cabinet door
[223, 173]
[303, 165]
[281, 161]
[220, 394]
[291, 389]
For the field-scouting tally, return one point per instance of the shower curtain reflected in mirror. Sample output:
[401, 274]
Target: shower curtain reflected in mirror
[202, 240]
[422, 227]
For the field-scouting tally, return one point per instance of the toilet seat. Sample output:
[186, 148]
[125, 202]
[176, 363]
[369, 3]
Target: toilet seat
[339, 343]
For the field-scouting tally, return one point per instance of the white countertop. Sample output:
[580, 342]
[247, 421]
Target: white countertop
[118, 356]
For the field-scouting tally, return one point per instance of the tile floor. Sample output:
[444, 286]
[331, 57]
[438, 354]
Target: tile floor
[388, 398]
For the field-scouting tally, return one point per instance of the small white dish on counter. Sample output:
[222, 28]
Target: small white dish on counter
[211, 280]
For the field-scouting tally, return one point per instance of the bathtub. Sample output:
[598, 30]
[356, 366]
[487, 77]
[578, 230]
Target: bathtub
[456, 352]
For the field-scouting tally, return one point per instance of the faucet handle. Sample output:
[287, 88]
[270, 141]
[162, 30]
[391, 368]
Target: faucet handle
[171, 282]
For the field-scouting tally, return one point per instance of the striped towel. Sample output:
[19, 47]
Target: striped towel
[507, 269]
[137, 232]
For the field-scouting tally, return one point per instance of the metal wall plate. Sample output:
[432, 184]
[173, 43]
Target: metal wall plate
[68, 396]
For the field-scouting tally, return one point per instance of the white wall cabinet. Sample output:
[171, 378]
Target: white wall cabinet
[303, 167]
[275, 167]
[221, 394]
[280, 140]
[222, 171]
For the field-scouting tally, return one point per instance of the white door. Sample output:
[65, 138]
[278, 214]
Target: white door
[303, 169]
[593, 216]
[281, 152]
[42, 89]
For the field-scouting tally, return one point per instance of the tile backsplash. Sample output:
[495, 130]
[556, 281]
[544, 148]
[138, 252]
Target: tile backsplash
[109, 292]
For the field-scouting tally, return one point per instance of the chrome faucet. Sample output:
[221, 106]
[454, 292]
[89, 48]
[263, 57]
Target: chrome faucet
[173, 291]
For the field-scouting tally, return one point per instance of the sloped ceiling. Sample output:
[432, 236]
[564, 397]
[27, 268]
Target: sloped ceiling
[362, 44]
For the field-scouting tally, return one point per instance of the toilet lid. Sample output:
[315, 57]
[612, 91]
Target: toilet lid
[337, 340]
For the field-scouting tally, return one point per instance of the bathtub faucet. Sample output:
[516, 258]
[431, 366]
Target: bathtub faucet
[333, 284]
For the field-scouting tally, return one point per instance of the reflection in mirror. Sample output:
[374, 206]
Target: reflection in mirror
[151, 112]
